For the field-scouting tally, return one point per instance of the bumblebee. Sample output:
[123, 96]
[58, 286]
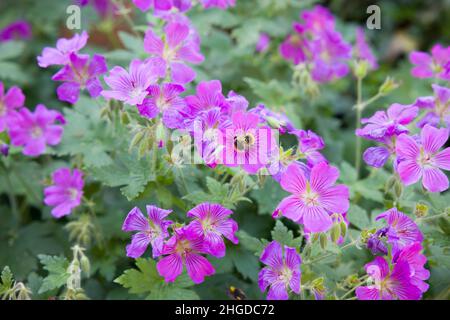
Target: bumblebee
[236, 293]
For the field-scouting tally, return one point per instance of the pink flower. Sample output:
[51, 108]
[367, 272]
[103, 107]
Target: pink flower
[64, 47]
[295, 46]
[247, 144]
[211, 221]
[401, 230]
[80, 74]
[35, 130]
[438, 106]
[164, 99]
[309, 143]
[388, 284]
[9, 102]
[313, 199]
[145, 5]
[131, 87]
[65, 193]
[263, 42]
[422, 158]
[19, 29]
[178, 47]
[282, 271]
[318, 19]
[434, 65]
[151, 230]
[222, 4]
[184, 248]
[363, 51]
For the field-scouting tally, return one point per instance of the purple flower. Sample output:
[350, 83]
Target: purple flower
[4, 149]
[422, 158]
[9, 102]
[363, 51]
[64, 47]
[160, 5]
[103, 7]
[19, 29]
[309, 143]
[439, 106]
[318, 19]
[337, 219]
[263, 42]
[392, 122]
[401, 230]
[416, 260]
[434, 65]
[247, 144]
[131, 87]
[376, 242]
[313, 199]
[330, 56]
[282, 272]
[80, 74]
[388, 284]
[211, 221]
[164, 99]
[184, 248]
[295, 46]
[151, 230]
[377, 156]
[275, 120]
[178, 47]
[34, 130]
[66, 191]
[221, 4]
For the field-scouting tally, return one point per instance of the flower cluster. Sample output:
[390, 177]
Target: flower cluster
[79, 71]
[203, 235]
[399, 273]
[31, 130]
[181, 5]
[436, 65]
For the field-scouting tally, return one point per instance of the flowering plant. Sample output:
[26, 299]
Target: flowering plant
[242, 140]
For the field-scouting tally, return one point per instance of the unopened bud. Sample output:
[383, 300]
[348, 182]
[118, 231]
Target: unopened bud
[421, 210]
[125, 118]
[160, 134]
[137, 139]
[335, 232]
[343, 227]
[323, 240]
[85, 264]
[4, 149]
[388, 86]
[360, 69]
[398, 189]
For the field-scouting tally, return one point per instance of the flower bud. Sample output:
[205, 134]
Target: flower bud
[323, 240]
[335, 232]
[124, 118]
[343, 227]
[160, 133]
[85, 264]
[388, 86]
[4, 149]
[360, 69]
[421, 210]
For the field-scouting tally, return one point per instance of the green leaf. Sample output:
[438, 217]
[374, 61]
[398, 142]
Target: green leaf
[11, 49]
[246, 263]
[7, 280]
[57, 272]
[269, 196]
[12, 71]
[131, 42]
[250, 243]
[358, 217]
[146, 279]
[283, 235]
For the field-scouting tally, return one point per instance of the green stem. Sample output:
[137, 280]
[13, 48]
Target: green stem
[348, 245]
[432, 217]
[11, 198]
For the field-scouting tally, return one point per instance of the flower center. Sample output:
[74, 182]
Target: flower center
[2, 109]
[285, 275]
[36, 132]
[162, 103]
[424, 158]
[309, 197]
[208, 225]
[73, 193]
[244, 142]
[183, 246]
[296, 40]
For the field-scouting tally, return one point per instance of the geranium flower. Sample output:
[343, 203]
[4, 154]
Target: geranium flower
[275, 120]
[211, 221]
[177, 48]
[9, 102]
[222, 4]
[151, 230]
[19, 29]
[64, 47]
[34, 130]
[309, 144]
[388, 284]
[263, 42]
[434, 65]
[66, 191]
[80, 74]
[363, 51]
[295, 45]
[401, 230]
[282, 272]
[439, 106]
[422, 158]
[313, 199]
[164, 99]
[184, 248]
[131, 87]
[317, 19]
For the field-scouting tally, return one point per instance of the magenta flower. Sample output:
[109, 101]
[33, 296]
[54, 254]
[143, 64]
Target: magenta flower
[34, 130]
[282, 271]
[336, 218]
[388, 284]
[221, 4]
[275, 120]
[422, 158]
[151, 230]
[164, 99]
[247, 144]
[295, 46]
[131, 87]
[330, 55]
[363, 51]
[64, 47]
[309, 144]
[313, 199]
[184, 248]
[103, 7]
[416, 260]
[401, 230]
[65, 193]
[211, 221]
[392, 122]
[263, 42]
[19, 29]
[317, 19]
[145, 5]
[178, 47]
[9, 102]
[439, 106]
[434, 65]
[80, 74]
[4, 149]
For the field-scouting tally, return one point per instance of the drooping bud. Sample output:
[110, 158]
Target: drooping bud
[323, 240]
[343, 227]
[388, 86]
[335, 232]
[360, 69]
[4, 149]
